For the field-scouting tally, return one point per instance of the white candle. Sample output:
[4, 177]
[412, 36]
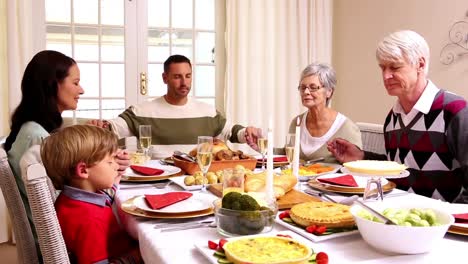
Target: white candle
[269, 177]
[297, 140]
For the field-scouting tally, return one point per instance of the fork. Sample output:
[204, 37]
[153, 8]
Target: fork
[185, 227]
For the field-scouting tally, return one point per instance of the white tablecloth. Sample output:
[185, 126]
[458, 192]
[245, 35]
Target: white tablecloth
[178, 246]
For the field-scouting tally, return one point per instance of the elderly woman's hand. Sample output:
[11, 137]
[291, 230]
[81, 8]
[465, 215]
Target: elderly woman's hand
[251, 136]
[344, 150]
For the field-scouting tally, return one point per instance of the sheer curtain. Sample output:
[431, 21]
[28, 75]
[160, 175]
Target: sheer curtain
[268, 44]
[16, 34]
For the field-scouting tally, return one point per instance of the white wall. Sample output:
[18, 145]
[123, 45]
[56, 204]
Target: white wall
[360, 24]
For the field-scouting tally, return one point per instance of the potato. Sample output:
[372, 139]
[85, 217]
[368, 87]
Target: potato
[199, 180]
[197, 174]
[189, 180]
[212, 178]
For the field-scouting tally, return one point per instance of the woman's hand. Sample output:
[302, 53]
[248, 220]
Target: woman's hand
[344, 151]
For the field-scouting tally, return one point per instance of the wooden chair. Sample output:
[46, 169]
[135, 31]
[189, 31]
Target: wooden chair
[41, 195]
[25, 244]
[372, 137]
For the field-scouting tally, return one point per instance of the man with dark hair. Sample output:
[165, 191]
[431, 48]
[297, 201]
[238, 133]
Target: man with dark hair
[177, 119]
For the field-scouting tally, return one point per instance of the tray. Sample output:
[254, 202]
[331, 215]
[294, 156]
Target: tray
[192, 167]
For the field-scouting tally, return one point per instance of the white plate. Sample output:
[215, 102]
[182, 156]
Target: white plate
[198, 202]
[361, 181]
[336, 167]
[168, 170]
[202, 246]
[402, 174]
[179, 180]
[311, 236]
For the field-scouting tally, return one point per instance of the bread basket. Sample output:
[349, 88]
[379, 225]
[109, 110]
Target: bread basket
[192, 167]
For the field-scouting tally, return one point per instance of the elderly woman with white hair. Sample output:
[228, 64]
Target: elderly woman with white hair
[321, 123]
[427, 127]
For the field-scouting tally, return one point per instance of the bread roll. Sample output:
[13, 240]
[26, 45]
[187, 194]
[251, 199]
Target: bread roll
[281, 183]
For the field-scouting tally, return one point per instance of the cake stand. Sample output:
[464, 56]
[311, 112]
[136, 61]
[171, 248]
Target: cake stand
[375, 180]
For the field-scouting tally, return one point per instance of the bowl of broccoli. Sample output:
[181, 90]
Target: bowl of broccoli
[240, 214]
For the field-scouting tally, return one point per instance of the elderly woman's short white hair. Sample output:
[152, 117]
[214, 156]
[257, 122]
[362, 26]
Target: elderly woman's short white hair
[404, 45]
[325, 73]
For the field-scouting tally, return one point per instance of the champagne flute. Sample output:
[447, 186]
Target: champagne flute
[145, 138]
[204, 156]
[289, 148]
[262, 143]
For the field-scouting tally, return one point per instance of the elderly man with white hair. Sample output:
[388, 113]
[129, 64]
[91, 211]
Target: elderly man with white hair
[427, 128]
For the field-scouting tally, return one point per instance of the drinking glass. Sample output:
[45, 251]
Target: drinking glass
[262, 143]
[204, 156]
[289, 148]
[145, 138]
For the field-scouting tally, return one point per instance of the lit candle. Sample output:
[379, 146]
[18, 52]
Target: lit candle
[297, 141]
[269, 176]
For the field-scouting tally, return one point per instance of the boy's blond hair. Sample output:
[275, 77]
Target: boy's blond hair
[63, 150]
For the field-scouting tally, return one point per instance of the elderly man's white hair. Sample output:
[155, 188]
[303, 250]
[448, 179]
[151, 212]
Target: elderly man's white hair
[407, 45]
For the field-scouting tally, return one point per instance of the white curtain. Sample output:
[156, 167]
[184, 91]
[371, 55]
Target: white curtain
[268, 44]
[16, 34]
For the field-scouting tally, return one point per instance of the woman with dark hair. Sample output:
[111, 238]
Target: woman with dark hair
[50, 85]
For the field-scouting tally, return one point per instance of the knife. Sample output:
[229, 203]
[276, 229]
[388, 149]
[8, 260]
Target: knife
[185, 227]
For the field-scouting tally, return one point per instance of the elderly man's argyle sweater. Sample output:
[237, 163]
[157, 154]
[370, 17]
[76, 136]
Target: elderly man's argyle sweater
[429, 146]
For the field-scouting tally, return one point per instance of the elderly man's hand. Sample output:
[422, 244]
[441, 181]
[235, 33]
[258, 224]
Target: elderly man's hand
[98, 123]
[344, 150]
[251, 136]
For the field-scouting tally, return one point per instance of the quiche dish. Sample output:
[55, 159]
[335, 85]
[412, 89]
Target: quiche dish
[271, 250]
[331, 215]
[375, 167]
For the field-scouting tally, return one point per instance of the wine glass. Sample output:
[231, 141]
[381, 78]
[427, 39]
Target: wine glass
[289, 147]
[262, 143]
[145, 138]
[204, 156]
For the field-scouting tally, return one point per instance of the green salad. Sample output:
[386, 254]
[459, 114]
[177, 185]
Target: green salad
[405, 217]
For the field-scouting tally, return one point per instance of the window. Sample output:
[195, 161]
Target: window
[115, 42]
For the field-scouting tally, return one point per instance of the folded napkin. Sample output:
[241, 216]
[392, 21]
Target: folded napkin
[146, 170]
[276, 159]
[461, 218]
[345, 180]
[158, 201]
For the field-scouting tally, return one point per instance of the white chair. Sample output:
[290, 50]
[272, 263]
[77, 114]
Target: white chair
[25, 244]
[41, 195]
[372, 137]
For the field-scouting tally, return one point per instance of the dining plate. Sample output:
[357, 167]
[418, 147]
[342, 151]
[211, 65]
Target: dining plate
[179, 180]
[344, 189]
[196, 203]
[202, 245]
[310, 236]
[458, 228]
[169, 171]
[402, 174]
[361, 181]
[130, 208]
[275, 164]
[336, 168]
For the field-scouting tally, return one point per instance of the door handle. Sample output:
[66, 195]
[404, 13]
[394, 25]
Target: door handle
[143, 83]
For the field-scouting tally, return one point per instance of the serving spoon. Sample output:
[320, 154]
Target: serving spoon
[382, 217]
[184, 156]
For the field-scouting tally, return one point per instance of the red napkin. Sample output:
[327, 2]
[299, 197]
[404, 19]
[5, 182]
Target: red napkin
[277, 159]
[146, 170]
[345, 180]
[158, 201]
[461, 218]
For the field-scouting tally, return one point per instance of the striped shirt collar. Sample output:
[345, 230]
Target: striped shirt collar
[98, 199]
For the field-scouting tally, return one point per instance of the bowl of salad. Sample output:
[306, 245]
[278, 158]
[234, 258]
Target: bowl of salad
[418, 229]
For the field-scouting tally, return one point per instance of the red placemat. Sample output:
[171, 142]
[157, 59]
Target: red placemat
[461, 218]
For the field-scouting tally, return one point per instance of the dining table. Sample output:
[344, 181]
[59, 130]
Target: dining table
[190, 245]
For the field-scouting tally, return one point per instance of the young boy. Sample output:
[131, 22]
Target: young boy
[80, 161]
